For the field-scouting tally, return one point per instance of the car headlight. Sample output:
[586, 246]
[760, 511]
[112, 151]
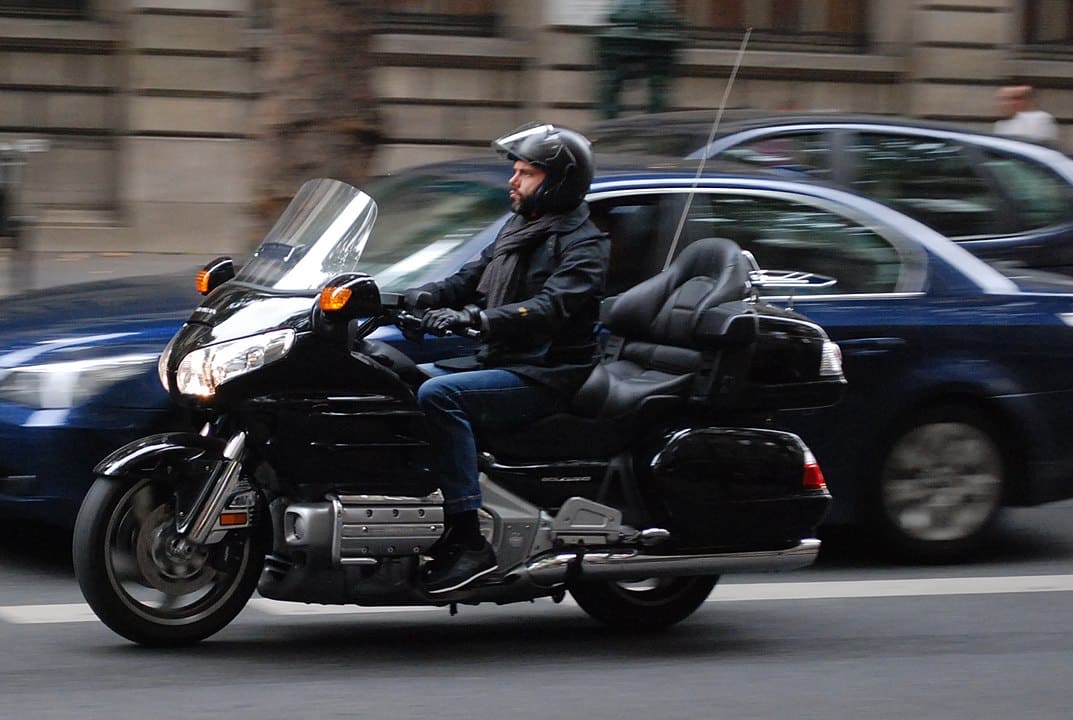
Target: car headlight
[69, 383]
[205, 369]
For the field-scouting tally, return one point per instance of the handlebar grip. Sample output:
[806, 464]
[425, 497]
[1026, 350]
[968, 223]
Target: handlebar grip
[410, 323]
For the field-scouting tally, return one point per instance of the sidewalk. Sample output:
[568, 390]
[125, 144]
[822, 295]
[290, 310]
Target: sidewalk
[33, 270]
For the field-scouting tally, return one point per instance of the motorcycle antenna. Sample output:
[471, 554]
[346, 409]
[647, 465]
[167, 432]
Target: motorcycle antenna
[704, 156]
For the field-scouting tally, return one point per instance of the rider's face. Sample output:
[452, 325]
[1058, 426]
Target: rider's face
[524, 182]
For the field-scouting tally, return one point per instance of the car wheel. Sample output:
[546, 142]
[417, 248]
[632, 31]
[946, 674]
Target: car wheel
[643, 605]
[940, 487]
[141, 583]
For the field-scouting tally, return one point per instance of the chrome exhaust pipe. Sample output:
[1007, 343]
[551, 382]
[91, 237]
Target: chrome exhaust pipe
[619, 564]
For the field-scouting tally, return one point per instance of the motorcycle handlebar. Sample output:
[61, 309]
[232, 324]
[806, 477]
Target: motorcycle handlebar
[408, 322]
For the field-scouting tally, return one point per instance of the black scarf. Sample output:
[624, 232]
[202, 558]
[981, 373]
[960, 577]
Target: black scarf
[518, 236]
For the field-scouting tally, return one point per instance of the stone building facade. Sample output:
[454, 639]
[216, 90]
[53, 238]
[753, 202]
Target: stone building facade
[149, 106]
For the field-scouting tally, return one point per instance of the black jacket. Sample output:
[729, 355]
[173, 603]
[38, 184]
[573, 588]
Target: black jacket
[545, 330]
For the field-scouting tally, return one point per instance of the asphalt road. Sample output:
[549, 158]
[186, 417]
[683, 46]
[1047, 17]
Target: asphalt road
[850, 637]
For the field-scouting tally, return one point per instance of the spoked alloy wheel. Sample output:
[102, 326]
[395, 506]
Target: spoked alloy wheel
[142, 582]
[643, 605]
[941, 487]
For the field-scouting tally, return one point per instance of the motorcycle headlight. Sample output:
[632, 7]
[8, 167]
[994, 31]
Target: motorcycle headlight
[69, 383]
[162, 363]
[205, 369]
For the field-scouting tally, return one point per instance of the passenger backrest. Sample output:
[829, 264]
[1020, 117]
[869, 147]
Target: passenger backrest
[664, 309]
[658, 328]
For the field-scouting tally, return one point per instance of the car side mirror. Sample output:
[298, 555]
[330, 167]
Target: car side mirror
[215, 274]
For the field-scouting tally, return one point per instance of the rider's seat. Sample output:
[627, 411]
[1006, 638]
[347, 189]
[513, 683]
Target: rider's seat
[663, 351]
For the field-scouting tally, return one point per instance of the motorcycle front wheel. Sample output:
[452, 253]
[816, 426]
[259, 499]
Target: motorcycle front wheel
[145, 585]
[644, 605]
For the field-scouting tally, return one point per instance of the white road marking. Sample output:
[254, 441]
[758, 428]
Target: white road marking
[28, 614]
[914, 587]
[725, 592]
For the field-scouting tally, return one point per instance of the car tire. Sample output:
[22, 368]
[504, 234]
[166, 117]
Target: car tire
[940, 486]
[644, 605]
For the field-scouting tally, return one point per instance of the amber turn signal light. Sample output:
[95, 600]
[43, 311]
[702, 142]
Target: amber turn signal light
[202, 281]
[230, 519]
[334, 298]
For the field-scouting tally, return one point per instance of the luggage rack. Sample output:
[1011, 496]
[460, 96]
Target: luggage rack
[784, 279]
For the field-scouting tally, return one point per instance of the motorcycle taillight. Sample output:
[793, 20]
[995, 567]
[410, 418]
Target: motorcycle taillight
[812, 479]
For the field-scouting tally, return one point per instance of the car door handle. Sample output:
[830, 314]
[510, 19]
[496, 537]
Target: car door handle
[871, 346]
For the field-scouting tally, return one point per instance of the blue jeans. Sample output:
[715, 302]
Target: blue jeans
[458, 403]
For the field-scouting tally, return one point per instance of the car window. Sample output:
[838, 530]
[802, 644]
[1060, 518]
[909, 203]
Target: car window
[1040, 195]
[784, 234]
[931, 180]
[638, 248]
[808, 153]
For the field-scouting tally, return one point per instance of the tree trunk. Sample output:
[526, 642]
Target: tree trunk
[318, 117]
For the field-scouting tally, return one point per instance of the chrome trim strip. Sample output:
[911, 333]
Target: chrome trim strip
[553, 569]
[337, 530]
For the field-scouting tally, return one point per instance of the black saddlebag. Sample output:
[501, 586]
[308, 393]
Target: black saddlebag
[738, 487]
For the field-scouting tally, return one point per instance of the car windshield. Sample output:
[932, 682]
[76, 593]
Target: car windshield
[405, 230]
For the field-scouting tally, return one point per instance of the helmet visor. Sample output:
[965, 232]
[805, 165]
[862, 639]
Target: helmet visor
[526, 143]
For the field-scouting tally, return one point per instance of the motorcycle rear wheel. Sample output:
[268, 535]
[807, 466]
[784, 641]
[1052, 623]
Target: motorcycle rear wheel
[140, 583]
[645, 605]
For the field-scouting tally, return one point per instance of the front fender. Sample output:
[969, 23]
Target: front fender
[147, 451]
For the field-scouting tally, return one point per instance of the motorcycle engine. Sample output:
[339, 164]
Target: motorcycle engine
[354, 529]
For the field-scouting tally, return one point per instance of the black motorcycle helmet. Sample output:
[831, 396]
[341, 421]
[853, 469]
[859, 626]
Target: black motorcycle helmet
[563, 154]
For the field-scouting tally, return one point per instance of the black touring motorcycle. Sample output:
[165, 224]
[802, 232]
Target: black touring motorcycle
[312, 481]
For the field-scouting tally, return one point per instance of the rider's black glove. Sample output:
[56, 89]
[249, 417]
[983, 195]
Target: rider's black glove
[442, 320]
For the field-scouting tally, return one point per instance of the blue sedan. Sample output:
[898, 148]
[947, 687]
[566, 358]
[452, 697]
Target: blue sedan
[959, 379]
[1001, 198]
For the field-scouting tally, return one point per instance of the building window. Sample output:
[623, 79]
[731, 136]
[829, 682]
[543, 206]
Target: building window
[1048, 23]
[447, 17]
[834, 23]
[44, 8]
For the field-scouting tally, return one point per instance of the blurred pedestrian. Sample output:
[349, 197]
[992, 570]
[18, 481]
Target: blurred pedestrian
[1021, 117]
[640, 41]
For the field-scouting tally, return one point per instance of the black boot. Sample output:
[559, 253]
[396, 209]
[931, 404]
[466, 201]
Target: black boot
[443, 541]
[462, 555]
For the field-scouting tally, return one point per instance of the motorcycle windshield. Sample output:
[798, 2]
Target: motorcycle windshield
[425, 228]
[321, 234]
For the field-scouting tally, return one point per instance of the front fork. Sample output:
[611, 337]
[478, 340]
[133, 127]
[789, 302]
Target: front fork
[223, 503]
